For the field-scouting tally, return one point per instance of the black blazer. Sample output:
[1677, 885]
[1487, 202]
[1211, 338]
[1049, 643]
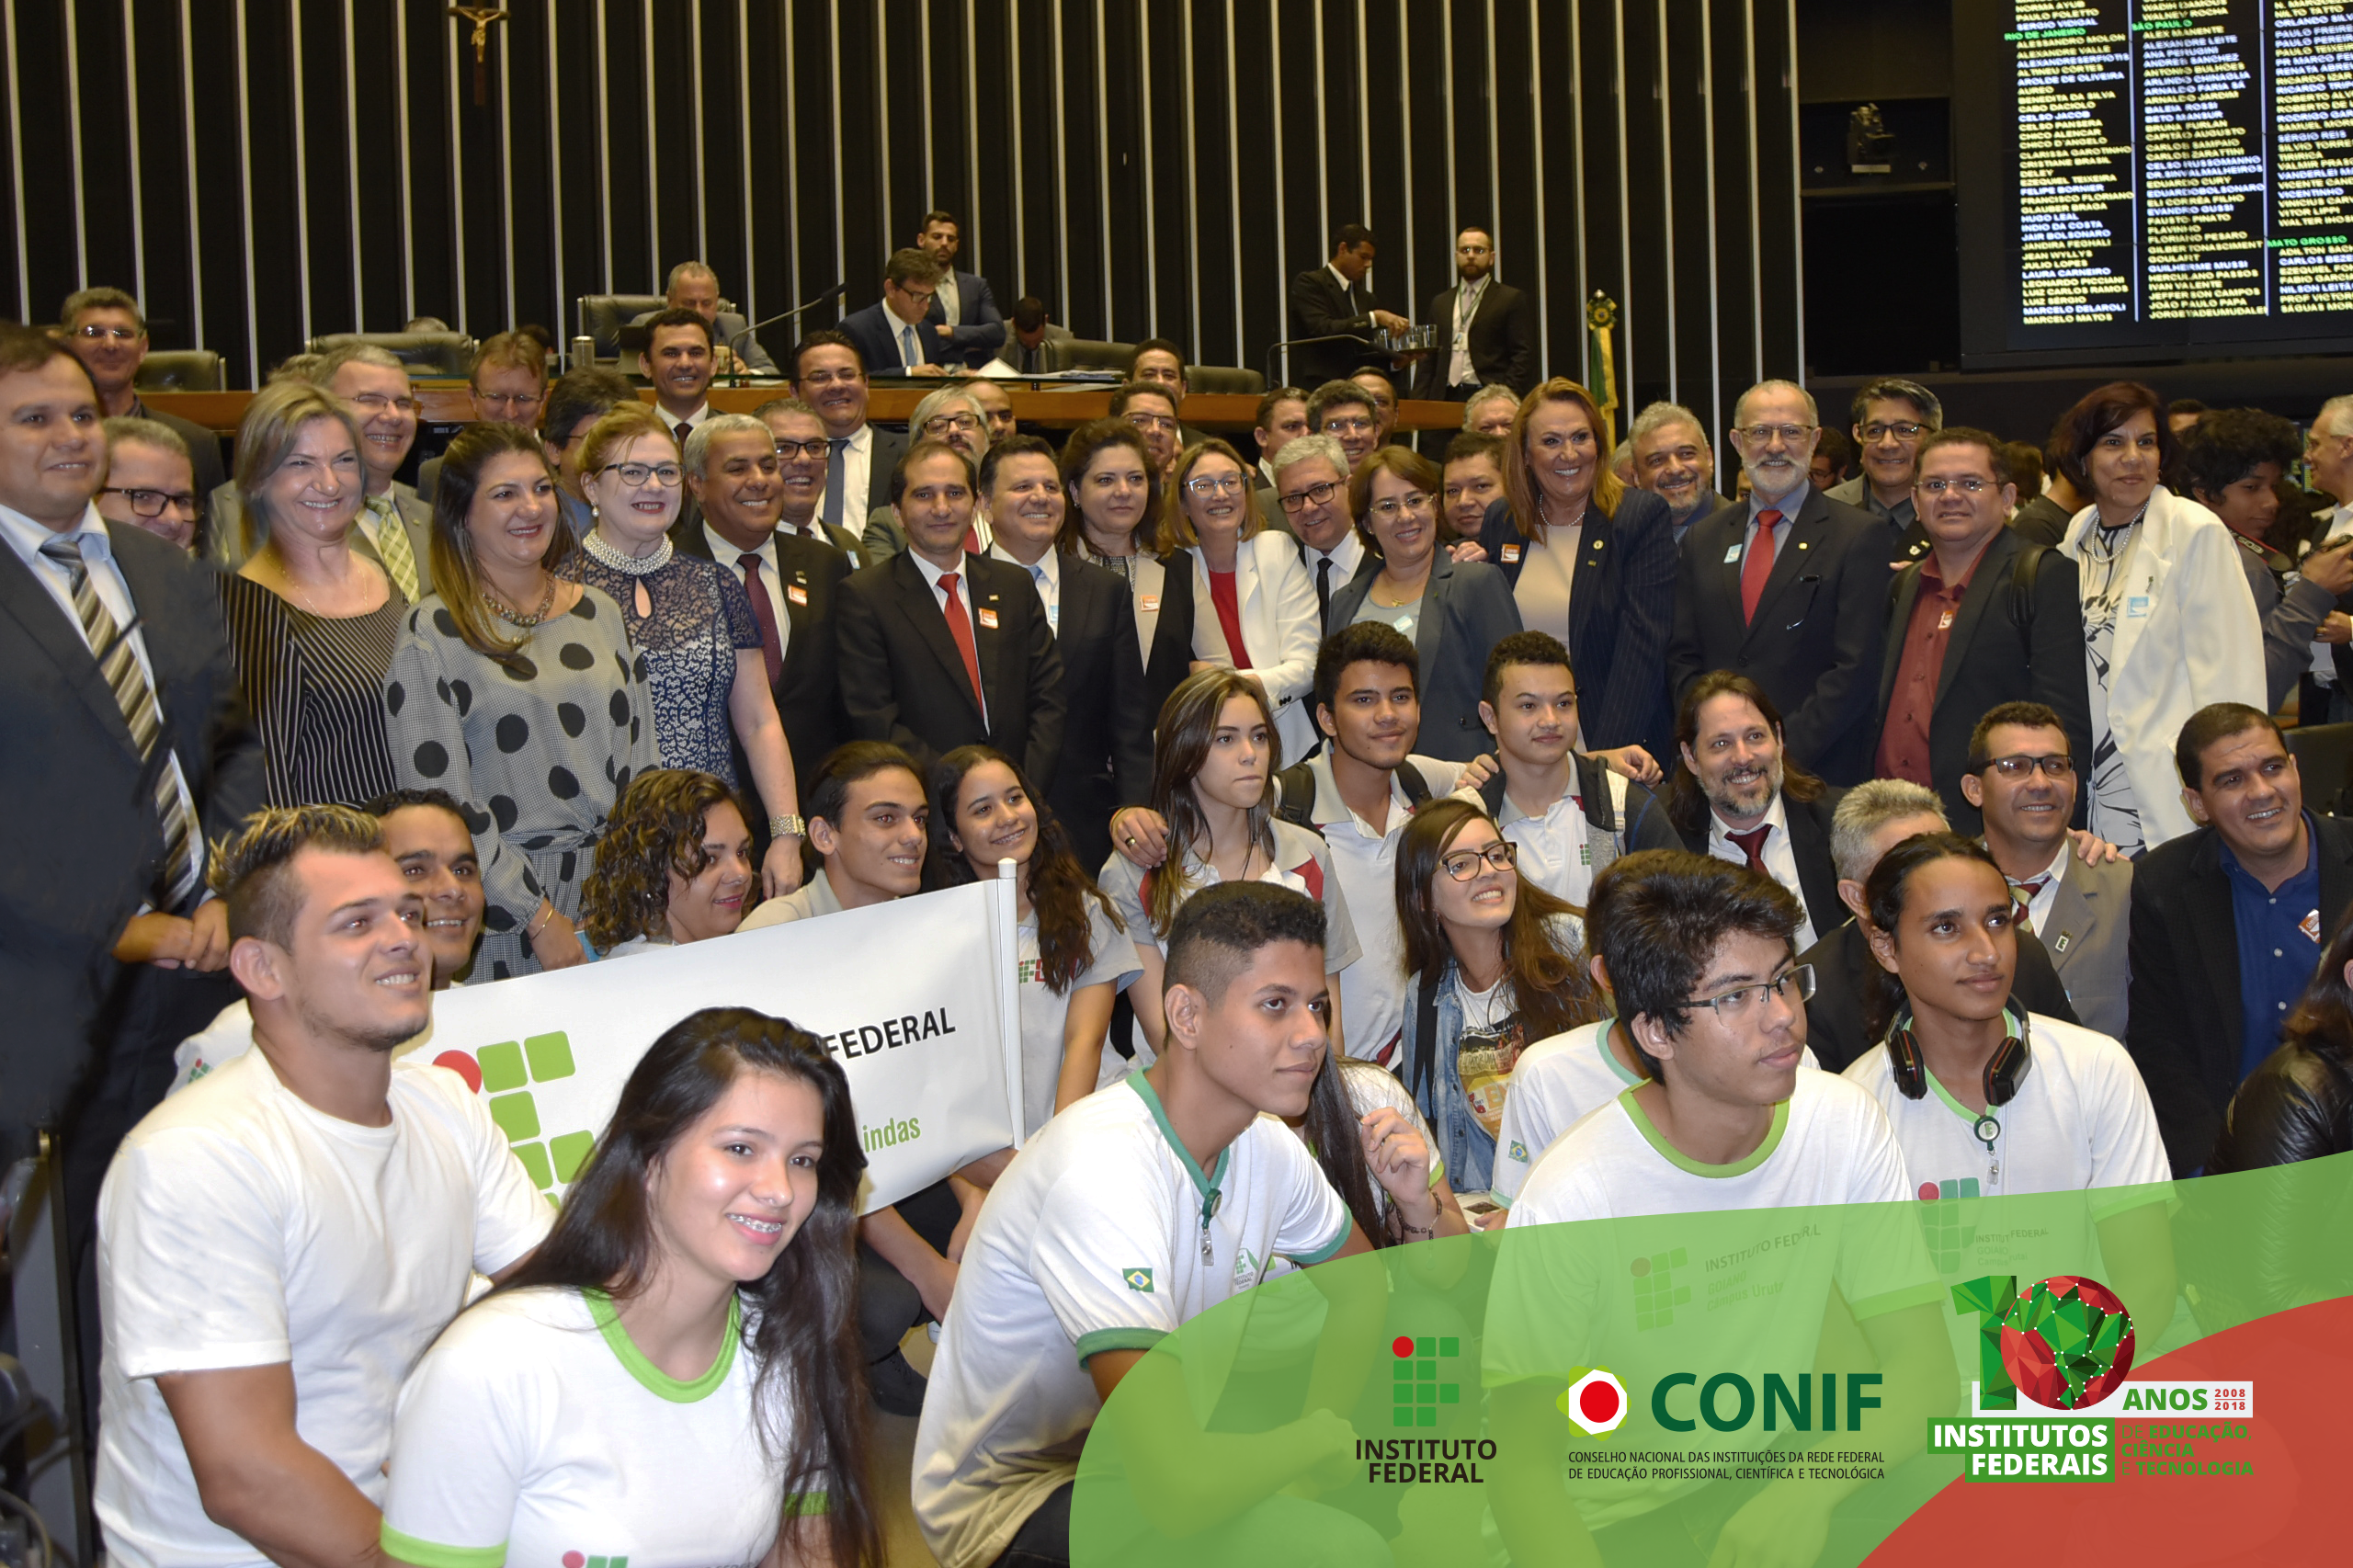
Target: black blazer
[1845, 972]
[1621, 612]
[890, 445]
[1820, 628]
[1503, 341]
[1106, 721]
[1990, 660]
[82, 847]
[1319, 307]
[809, 692]
[1809, 843]
[2186, 1032]
[876, 332]
[980, 326]
[1467, 608]
[903, 681]
[1170, 659]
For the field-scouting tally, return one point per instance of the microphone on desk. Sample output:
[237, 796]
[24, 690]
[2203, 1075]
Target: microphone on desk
[1275, 380]
[734, 342]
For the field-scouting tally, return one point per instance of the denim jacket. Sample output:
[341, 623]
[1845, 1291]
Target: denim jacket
[1468, 1150]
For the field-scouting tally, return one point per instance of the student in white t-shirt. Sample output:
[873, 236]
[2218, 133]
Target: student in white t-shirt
[673, 866]
[427, 837]
[278, 1243]
[1699, 951]
[1075, 955]
[672, 1378]
[1987, 1101]
[1214, 758]
[1561, 1079]
[1133, 1211]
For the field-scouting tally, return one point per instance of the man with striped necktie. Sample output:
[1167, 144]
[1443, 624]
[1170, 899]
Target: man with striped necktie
[127, 751]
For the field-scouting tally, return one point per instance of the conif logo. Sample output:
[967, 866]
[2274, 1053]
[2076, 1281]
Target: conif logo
[1415, 1390]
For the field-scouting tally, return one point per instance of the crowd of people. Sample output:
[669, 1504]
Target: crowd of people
[1405, 843]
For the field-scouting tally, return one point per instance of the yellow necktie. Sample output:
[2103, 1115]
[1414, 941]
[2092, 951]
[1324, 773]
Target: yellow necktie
[392, 546]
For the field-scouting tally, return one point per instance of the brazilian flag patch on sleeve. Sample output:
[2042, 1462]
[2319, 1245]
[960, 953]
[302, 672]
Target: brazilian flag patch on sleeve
[1139, 1280]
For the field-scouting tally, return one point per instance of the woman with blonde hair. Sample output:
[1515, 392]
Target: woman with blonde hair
[1254, 605]
[690, 618]
[515, 689]
[675, 865]
[1593, 563]
[311, 617]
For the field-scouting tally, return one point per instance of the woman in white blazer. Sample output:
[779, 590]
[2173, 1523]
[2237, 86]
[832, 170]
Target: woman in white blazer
[1249, 587]
[2169, 626]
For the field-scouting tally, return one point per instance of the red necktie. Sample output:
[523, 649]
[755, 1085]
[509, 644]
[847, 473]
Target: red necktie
[763, 613]
[960, 627]
[1752, 843]
[1757, 565]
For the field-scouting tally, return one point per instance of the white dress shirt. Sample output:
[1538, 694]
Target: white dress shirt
[771, 579]
[931, 575]
[1047, 574]
[2038, 909]
[1780, 860]
[1345, 559]
[693, 422]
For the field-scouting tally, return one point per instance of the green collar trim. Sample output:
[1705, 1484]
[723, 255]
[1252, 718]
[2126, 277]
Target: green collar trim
[1953, 1104]
[655, 1381]
[1601, 1041]
[1683, 1162]
[1207, 1186]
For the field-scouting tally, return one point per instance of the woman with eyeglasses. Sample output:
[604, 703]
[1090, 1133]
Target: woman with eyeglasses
[1114, 489]
[1592, 563]
[1261, 609]
[312, 620]
[1496, 963]
[693, 621]
[1454, 611]
[515, 688]
[2169, 625]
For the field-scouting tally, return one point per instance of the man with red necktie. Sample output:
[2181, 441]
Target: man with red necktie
[941, 648]
[1789, 589]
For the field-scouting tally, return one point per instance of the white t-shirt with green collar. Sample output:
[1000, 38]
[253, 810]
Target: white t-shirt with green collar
[1045, 1011]
[1556, 1083]
[1679, 1283]
[1102, 1234]
[534, 1432]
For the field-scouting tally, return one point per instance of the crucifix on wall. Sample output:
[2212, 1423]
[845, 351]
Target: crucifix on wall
[481, 16]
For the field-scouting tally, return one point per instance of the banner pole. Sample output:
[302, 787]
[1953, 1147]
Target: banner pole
[1004, 934]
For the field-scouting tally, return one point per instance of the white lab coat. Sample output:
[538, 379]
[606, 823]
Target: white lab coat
[1277, 599]
[2199, 642]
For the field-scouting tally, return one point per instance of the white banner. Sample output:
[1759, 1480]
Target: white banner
[914, 998]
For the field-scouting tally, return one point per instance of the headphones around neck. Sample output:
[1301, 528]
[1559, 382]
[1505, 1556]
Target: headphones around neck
[2004, 1071]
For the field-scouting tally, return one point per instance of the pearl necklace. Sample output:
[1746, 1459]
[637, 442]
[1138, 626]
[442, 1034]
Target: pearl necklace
[607, 554]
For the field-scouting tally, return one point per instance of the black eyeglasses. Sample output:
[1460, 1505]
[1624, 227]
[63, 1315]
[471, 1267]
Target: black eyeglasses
[789, 451]
[1465, 864]
[1313, 495]
[2023, 766]
[1794, 986]
[154, 503]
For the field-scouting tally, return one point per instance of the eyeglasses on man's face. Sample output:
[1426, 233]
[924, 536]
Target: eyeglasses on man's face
[371, 404]
[1464, 864]
[1766, 435]
[1794, 986]
[1968, 484]
[951, 424]
[1313, 495]
[789, 449]
[1902, 429]
[2021, 766]
[153, 503]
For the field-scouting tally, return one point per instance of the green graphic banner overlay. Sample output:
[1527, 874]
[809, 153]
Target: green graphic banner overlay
[1653, 1388]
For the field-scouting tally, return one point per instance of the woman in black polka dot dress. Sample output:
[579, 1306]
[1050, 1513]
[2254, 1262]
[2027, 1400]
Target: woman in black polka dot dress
[518, 692]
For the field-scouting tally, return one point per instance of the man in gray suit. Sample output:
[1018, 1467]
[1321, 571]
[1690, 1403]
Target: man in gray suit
[2083, 913]
[1893, 417]
[695, 287]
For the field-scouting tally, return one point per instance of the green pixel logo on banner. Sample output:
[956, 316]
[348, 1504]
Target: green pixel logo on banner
[1656, 1295]
[1949, 1219]
[504, 1072]
[1415, 1392]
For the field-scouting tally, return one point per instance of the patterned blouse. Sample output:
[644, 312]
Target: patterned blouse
[701, 618]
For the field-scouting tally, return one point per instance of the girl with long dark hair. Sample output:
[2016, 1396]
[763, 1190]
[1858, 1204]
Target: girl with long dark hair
[688, 1325]
[1075, 954]
[1497, 965]
[1214, 758]
[675, 865]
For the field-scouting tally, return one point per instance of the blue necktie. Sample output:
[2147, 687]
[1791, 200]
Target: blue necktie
[913, 354]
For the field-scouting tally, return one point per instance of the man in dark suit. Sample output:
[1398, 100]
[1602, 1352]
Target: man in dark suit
[895, 336]
[129, 751]
[1486, 329]
[2260, 875]
[1333, 300]
[802, 449]
[1873, 818]
[1737, 796]
[109, 336]
[1962, 637]
[941, 649]
[693, 286]
[1025, 342]
[1789, 589]
[1107, 725]
[794, 584]
[963, 319]
[829, 375]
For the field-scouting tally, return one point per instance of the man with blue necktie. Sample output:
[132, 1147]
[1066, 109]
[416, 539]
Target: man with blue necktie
[892, 334]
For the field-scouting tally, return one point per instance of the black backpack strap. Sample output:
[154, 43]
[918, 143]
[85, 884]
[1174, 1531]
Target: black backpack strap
[1490, 793]
[1592, 783]
[1417, 789]
[1422, 1056]
[1297, 804]
[2024, 569]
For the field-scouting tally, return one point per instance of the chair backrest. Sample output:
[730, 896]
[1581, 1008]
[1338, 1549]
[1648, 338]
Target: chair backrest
[431, 354]
[602, 317]
[1086, 354]
[1224, 379]
[180, 370]
[2324, 755]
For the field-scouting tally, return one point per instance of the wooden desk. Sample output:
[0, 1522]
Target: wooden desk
[1053, 406]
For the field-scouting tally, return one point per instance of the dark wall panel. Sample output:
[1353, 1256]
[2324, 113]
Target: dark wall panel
[1148, 168]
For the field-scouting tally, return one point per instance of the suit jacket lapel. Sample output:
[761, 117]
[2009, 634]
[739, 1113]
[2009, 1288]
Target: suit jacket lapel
[1791, 560]
[1907, 594]
[987, 594]
[26, 599]
[1429, 637]
[917, 603]
[2215, 930]
[1988, 580]
[2075, 915]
